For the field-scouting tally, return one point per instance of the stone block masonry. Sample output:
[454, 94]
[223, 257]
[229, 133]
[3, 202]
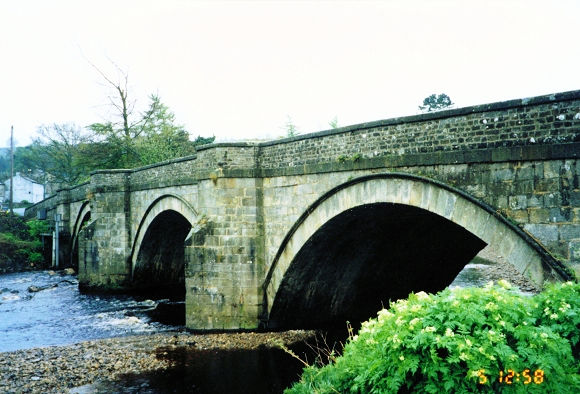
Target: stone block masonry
[248, 203]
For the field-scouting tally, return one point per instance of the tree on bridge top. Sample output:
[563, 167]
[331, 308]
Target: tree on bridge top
[436, 103]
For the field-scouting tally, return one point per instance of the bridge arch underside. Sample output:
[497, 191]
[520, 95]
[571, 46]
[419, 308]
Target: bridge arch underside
[82, 220]
[359, 260]
[159, 266]
[378, 238]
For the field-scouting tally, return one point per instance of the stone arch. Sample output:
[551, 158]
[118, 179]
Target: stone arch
[458, 207]
[82, 218]
[164, 203]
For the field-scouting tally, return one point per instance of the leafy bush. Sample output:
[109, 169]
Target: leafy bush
[461, 340]
[37, 227]
[13, 224]
[20, 245]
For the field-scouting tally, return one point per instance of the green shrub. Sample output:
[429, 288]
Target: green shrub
[13, 224]
[461, 340]
[37, 227]
[20, 244]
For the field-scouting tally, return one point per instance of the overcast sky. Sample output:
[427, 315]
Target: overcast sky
[238, 70]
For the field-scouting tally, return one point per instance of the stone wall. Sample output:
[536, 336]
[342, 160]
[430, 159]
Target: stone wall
[540, 120]
[225, 258]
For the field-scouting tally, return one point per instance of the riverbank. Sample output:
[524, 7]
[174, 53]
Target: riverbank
[58, 369]
[496, 267]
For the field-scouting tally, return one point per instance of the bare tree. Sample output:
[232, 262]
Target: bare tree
[123, 133]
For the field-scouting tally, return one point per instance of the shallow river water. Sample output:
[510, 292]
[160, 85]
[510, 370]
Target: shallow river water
[61, 315]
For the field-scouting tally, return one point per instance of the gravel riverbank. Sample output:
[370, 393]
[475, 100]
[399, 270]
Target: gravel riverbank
[58, 369]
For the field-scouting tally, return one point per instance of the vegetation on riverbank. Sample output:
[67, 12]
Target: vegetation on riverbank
[20, 244]
[490, 339]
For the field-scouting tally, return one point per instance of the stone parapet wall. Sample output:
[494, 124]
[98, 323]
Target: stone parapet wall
[228, 155]
[171, 173]
[540, 120]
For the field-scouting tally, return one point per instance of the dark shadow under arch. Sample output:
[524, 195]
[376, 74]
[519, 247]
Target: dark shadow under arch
[83, 218]
[159, 269]
[364, 257]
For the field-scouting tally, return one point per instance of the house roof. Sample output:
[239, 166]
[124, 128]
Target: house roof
[23, 177]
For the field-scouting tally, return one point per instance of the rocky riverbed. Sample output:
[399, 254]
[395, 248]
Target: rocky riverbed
[498, 268]
[59, 369]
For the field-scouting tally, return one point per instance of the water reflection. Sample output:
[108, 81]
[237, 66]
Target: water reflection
[264, 370]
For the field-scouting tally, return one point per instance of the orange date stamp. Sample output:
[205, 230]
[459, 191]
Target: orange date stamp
[510, 376]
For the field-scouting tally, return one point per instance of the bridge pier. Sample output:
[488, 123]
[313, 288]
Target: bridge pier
[225, 257]
[105, 244]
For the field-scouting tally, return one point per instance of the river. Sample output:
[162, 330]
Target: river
[60, 315]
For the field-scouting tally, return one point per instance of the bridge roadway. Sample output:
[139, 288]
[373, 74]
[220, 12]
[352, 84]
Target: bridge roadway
[325, 227]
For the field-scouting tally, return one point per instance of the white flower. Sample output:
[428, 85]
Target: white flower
[544, 335]
[449, 332]
[429, 329]
[564, 307]
[416, 308]
[413, 322]
[553, 316]
[468, 342]
[422, 296]
[401, 357]
[384, 314]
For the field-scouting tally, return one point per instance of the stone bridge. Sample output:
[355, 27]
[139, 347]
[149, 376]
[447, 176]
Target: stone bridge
[326, 227]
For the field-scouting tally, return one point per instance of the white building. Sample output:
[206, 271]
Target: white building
[24, 190]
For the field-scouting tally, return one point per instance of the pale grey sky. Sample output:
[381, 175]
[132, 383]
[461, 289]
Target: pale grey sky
[238, 69]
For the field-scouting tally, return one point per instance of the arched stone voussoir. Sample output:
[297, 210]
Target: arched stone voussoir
[83, 212]
[517, 247]
[167, 202]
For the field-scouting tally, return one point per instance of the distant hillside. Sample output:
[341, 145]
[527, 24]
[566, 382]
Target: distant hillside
[4, 152]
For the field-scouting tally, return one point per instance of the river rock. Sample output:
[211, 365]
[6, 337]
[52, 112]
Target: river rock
[69, 271]
[36, 289]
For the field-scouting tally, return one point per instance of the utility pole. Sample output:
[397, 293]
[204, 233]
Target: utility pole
[11, 170]
[57, 221]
